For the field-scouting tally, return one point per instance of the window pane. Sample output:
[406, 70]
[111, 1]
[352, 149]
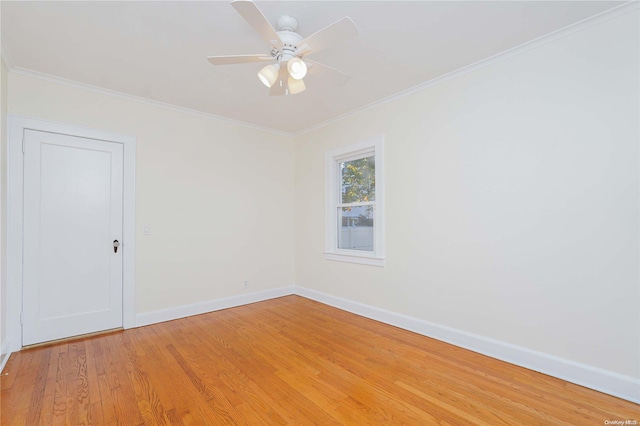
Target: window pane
[358, 180]
[355, 228]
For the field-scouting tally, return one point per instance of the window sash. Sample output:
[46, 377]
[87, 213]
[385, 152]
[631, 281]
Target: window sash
[339, 229]
[358, 155]
[357, 204]
[339, 161]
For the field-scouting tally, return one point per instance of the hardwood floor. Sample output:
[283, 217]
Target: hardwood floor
[284, 361]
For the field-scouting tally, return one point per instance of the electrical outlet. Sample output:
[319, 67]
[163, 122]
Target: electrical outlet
[246, 284]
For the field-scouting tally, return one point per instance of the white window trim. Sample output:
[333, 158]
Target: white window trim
[355, 151]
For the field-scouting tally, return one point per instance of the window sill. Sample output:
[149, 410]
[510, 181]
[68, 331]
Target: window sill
[355, 258]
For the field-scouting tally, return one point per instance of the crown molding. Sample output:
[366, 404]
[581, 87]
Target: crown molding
[614, 12]
[591, 21]
[140, 99]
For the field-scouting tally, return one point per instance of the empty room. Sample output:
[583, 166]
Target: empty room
[320, 212]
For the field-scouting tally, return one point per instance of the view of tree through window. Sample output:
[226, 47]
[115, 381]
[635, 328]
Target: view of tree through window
[355, 214]
[358, 180]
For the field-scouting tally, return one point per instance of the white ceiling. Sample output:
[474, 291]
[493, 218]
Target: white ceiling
[158, 50]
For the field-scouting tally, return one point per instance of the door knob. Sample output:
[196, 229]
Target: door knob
[116, 244]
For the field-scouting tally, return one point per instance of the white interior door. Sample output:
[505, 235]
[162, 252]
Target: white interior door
[72, 277]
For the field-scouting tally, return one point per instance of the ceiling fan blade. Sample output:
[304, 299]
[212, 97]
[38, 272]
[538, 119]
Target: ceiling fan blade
[335, 33]
[280, 86]
[238, 59]
[328, 74]
[258, 22]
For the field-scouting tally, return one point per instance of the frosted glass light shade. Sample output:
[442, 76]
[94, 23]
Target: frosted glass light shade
[297, 68]
[295, 86]
[269, 74]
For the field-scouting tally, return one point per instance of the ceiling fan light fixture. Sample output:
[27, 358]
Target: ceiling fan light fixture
[297, 68]
[295, 86]
[269, 74]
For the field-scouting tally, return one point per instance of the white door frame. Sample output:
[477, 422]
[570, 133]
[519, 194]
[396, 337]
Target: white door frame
[16, 126]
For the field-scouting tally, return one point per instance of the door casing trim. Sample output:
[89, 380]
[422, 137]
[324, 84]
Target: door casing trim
[16, 125]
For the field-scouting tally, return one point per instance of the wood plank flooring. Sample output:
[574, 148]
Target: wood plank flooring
[284, 361]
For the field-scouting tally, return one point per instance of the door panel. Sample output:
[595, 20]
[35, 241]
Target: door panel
[72, 214]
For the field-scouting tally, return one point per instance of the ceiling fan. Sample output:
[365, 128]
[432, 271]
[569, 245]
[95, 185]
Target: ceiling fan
[284, 75]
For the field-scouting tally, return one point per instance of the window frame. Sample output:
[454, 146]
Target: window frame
[333, 201]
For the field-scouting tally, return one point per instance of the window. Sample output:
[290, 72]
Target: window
[355, 203]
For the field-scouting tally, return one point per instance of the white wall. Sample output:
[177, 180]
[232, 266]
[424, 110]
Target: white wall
[512, 201]
[217, 195]
[3, 207]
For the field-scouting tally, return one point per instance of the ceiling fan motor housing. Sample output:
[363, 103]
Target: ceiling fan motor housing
[290, 39]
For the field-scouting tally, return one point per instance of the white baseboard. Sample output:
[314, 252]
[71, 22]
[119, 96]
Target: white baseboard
[625, 387]
[609, 382]
[177, 312]
[606, 381]
[4, 354]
